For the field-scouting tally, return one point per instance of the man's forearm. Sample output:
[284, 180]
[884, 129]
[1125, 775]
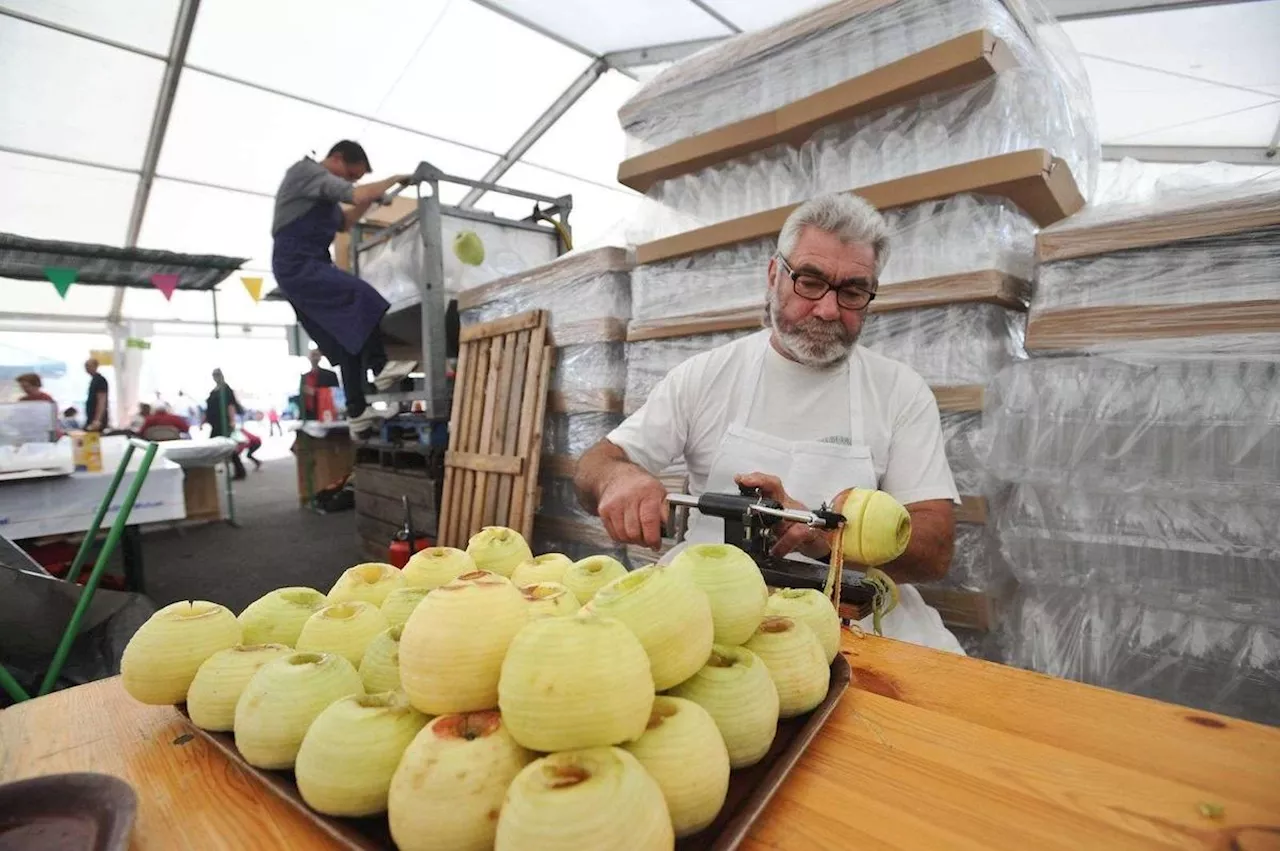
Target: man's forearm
[928, 555]
[596, 466]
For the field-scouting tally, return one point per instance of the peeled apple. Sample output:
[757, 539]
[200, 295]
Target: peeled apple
[162, 657]
[670, 616]
[380, 667]
[368, 583]
[736, 690]
[597, 798]
[587, 576]
[812, 608]
[549, 599]
[878, 528]
[400, 603]
[342, 628]
[575, 683]
[436, 566]
[548, 567]
[468, 247]
[452, 647]
[498, 549]
[283, 698]
[449, 787]
[351, 750]
[682, 749]
[212, 698]
[732, 583]
[277, 616]
[796, 662]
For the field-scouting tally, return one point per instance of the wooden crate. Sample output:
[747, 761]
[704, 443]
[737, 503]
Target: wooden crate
[379, 506]
[495, 428]
[329, 460]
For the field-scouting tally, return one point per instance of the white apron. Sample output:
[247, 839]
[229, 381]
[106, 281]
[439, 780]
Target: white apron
[813, 473]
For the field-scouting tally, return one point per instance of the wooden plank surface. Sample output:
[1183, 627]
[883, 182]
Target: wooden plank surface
[520, 322]
[1079, 327]
[506, 464]
[926, 751]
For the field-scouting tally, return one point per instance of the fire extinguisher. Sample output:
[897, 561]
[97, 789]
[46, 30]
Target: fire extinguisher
[406, 543]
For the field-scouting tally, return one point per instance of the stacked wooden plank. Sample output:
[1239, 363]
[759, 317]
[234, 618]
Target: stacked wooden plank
[495, 435]
[1144, 457]
[955, 118]
[586, 296]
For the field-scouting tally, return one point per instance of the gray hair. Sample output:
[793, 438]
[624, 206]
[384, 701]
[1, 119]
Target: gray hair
[846, 216]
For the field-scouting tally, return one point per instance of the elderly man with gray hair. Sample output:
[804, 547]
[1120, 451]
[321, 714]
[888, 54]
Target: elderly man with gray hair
[799, 410]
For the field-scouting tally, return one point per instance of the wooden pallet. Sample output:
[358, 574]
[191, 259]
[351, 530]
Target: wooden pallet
[495, 428]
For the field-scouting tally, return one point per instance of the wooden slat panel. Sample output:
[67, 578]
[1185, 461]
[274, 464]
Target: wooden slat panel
[533, 493]
[520, 322]
[959, 399]
[476, 403]
[1086, 326]
[495, 507]
[584, 402]
[498, 464]
[533, 401]
[511, 429]
[479, 515]
[452, 478]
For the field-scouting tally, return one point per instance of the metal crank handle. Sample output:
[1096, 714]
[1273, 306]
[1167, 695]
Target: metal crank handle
[809, 518]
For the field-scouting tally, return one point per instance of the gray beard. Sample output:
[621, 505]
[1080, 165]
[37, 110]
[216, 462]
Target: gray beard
[813, 342]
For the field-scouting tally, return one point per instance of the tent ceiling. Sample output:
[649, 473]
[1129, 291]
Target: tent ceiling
[457, 82]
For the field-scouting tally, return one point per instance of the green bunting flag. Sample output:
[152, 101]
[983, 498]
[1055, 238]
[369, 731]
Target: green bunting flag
[61, 278]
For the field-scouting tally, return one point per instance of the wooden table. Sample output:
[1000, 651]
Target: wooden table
[927, 751]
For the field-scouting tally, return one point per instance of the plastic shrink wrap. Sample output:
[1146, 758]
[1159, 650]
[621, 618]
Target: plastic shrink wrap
[572, 434]
[761, 71]
[648, 361]
[589, 377]
[1207, 427]
[956, 344]
[394, 267]
[576, 288]
[1099, 637]
[963, 233]
[962, 433]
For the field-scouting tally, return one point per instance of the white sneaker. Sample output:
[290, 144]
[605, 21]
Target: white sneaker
[393, 373]
[367, 421]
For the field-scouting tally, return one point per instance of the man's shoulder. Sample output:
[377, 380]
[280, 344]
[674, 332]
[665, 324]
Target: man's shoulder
[710, 365]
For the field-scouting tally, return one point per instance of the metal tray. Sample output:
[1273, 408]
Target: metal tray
[750, 789]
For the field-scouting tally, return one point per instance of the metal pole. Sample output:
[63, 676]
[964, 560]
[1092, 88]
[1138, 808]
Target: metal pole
[99, 568]
[214, 294]
[73, 572]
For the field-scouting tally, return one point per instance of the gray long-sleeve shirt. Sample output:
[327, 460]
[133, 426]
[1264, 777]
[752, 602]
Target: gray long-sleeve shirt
[305, 184]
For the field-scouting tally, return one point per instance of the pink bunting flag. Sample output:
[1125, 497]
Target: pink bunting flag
[165, 284]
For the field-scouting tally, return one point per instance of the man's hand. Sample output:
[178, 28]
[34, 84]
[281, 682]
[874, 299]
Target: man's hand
[795, 537]
[632, 505]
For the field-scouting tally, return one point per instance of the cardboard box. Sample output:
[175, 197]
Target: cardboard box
[1084, 327]
[962, 61]
[201, 493]
[1038, 182]
[86, 451]
[1235, 209]
[329, 459]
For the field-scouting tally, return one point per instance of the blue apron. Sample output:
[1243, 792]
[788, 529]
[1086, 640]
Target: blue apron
[323, 295]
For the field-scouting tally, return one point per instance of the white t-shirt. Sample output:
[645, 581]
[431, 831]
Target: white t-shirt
[689, 410]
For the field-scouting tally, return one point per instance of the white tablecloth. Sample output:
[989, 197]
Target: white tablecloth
[57, 506]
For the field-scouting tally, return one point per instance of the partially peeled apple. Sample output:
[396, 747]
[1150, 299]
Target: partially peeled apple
[550, 599]
[283, 698]
[548, 567]
[682, 749]
[468, 247]
[574, 683]
[796, 663]
[812, 608]
[877, 528]
[436, 566]
[670, 616]
[277, 616]
[368, 583]
[342, 628]
[452, 646]
[212, 698]
[498, 549]
[736, 690]
[587, 576]
[597, 798]
[449, 787]
[350, 752]
[163, 656]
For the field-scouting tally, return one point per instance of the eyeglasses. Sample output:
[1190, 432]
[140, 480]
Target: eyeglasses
[851, 294]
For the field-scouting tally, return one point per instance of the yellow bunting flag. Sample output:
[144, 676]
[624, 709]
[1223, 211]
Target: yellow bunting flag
[254, 288]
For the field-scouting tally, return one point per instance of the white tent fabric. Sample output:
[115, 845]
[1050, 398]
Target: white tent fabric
[456, 83]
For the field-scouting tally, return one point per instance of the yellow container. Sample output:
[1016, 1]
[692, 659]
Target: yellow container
[86, 448]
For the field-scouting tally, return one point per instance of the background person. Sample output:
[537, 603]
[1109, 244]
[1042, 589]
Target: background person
[96, 407]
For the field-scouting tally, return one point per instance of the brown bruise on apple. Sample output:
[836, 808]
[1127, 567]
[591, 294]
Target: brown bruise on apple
[564, 776]
[662, 710]
[721, 660]
[776, 623]
[258, 648]
[467, 725]
[541, 591]
[480, 578]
